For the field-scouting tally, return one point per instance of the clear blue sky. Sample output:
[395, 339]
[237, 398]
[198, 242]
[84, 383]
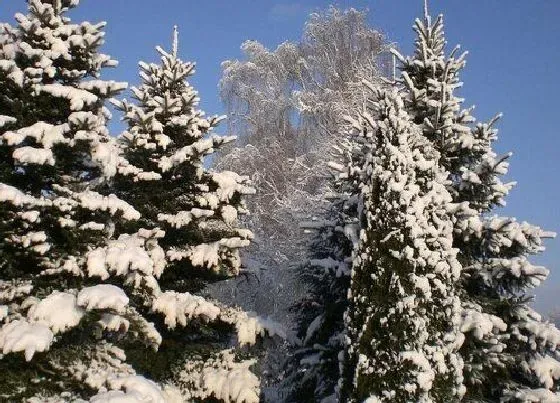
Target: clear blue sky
[512, 68]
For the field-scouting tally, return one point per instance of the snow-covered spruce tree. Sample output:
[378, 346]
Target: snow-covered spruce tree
[55, 151]
[193, 213]
[403, 312]
[509, 351]
[312, 371]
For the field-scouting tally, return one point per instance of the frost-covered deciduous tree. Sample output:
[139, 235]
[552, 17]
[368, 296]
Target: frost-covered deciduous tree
[509, 351]
[286, 108]
[190, 223]
[60, 323]
[403, 314]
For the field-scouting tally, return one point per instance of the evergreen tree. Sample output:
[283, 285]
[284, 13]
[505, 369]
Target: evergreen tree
[55, 152]
[192, 213]
[403, 311]
[313, 370]
[509, 351]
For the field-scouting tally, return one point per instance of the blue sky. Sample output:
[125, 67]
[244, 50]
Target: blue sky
[512, 68]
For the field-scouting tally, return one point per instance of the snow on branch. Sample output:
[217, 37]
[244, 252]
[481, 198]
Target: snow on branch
[43, 133]
[182, 308]
[13, 289]
[250, 326]
[546, 369]
[17, 198]
[78, 98]
[102, 296]
[210, 255]
[531, 395]
[195, 151]
[224, 378]
[229, 183]
[480, 323]
[21, 335]
[95, 364]
[183, 218]
[59, 311]
[5, 120]
[102, 87]
[128, 256]
[31, 155]
[94, 201]
[136, 389]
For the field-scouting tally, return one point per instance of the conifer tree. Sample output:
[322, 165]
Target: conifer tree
[56, 151]
[313, 371]
[192, 214]
[403, 311]
[509, 351]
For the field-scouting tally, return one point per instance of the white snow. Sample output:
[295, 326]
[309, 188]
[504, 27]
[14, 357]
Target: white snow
[547, 370]
[102, 296]
[205, 255]
[107, 156]
[78, 98]
[425, 374]
[96, 364]
[222, 377]
[182, 308]
[229, 214]
[94, 226]
[237, 385]
[3, 312]
[480, 323]
[249, 326]
[21, 335]
[33, 237]
[210, 255]
[114, 323]
[59, 311]
[230, 183]
[104, 87]
[144, 328]
[30, 216]
[194, 151]
[183, 218]
[43, 133]
[10, 290]
[14, 196]
[4, 120]
[539, 395]
[131, 389]
[129, 254]
[95, 201]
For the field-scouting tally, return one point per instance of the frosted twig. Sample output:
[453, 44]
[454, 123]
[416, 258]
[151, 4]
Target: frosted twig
[175, 40]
